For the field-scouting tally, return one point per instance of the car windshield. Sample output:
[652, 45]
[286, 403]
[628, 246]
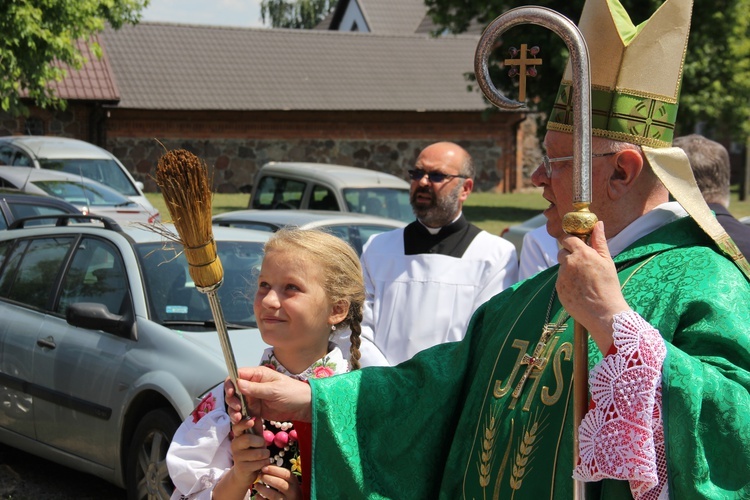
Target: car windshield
[107, 172]
[382, 202]
[83, 193]
[176, 303]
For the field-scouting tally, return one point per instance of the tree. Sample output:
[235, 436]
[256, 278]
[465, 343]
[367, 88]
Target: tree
[716, 80]
[296, 14]
[38, 38]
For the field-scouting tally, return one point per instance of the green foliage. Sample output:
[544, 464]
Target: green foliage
[296, 14]
[716, 82]
[37, 35]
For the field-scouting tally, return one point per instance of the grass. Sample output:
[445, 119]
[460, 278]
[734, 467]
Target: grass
[492, 212]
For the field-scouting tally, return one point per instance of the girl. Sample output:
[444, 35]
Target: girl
[310, 285]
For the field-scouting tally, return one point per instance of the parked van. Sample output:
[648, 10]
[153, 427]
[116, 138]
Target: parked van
[322, 186]
[74, 157]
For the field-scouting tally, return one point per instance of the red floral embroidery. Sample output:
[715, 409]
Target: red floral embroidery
[205, 406]
[322, 372]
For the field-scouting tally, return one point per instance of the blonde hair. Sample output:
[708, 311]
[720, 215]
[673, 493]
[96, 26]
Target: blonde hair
[342, 273]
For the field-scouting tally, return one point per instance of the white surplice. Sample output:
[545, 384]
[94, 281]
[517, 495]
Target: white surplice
[416, 301]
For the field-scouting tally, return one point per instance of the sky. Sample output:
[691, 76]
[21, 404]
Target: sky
[244, 13]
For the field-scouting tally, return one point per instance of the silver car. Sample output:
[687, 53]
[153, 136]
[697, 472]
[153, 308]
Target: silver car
[15, 205]
[74, 157]
[322, 186]
[106, 345]
[353, 228]
[89, 196]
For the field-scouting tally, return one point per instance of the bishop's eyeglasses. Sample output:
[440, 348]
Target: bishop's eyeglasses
[549, 161]
[418, 174]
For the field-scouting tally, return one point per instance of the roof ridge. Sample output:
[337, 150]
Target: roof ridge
[302, 32]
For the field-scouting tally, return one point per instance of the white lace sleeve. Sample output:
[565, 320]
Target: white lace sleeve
[622, 436]
[201, 452]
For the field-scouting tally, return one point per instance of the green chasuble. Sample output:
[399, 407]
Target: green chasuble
[446, 424]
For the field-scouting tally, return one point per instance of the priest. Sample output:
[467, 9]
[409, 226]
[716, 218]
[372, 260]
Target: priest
[423, 282]
[663, 294]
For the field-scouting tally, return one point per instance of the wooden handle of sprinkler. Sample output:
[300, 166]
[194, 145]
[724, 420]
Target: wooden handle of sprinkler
[579, 223]
[580, 395]
[226, 346]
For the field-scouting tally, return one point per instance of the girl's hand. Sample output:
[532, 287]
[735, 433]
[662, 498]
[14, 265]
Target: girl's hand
[250, 454]
[278, 483]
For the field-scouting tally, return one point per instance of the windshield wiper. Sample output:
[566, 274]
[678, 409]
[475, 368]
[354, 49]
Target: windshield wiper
[209, 323]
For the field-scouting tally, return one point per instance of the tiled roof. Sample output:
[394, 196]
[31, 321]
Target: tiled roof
[427, 26]
[93, 82]
[326, 22]
[393, 17]
[190, 67]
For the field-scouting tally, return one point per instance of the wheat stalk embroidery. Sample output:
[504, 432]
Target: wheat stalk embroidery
[485, 454]
[523, 456]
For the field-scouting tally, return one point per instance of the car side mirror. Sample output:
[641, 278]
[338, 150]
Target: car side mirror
[95, 316]
[139, 185]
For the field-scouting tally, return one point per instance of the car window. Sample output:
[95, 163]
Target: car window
[96, 274]
[21, 210]
[381, 202]
[323, 199]
[13, 157]
[108, 172]
[6, 155]
[275, 192]
[86, 193]
[258, 226]
[4, 246]
[348, 233]
[173, 297]
[365, 231]
[22, 160]
[356, 234]
[31, 270]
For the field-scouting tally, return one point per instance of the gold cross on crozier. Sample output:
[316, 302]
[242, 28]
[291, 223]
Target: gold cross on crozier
[523, 61]
[536, 361]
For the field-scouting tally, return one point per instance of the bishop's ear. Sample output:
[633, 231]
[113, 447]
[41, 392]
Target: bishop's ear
[627, 167]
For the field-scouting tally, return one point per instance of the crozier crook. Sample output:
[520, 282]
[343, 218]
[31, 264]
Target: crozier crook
[580, 222]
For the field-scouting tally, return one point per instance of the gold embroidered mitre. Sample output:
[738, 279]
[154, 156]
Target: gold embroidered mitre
[635, 73]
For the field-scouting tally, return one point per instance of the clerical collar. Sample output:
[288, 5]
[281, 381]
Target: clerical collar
[435, 230]
[645, 224]
[452, 240]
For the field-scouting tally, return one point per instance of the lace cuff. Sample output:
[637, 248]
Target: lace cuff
[622, 436]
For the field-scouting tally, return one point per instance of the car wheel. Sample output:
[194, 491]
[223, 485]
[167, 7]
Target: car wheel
[146, 475]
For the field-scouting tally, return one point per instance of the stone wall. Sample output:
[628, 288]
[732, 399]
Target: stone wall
[235, 145]
[234, 162]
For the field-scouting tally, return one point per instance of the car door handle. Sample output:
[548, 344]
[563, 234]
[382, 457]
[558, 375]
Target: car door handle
[49, 342]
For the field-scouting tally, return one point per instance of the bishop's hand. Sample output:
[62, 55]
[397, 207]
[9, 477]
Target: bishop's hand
[588, 286]
[270, 395]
